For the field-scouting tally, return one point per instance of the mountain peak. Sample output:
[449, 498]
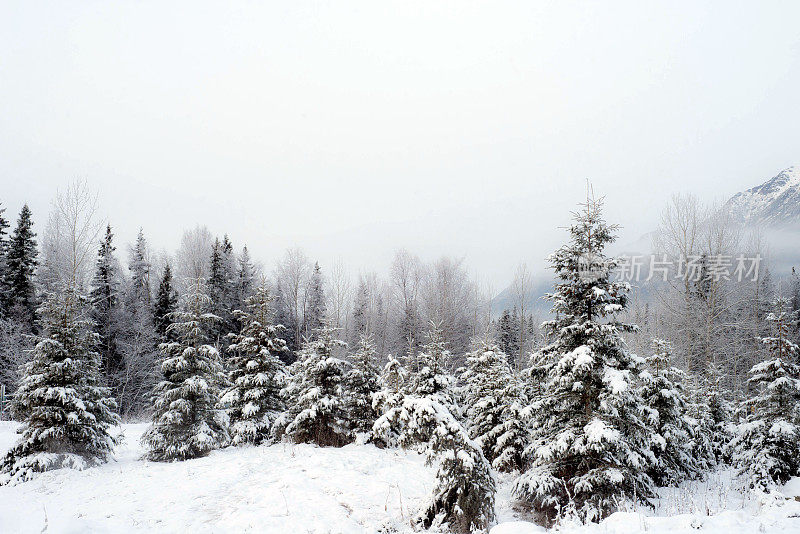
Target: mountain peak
[775, 203]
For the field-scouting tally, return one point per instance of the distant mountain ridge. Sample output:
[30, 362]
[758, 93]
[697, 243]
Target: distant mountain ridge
[774, 204]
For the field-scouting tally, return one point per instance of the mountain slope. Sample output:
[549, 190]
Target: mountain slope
[775, 203]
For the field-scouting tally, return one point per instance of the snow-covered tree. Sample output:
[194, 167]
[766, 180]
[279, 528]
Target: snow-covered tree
[590, 446]
[362, 383]
[430, 373]
[165, 305]
[317, 408]
[105, 310]
[186, 423]
[508, 331]
[20, 264]
[767, 444]
[66, 413]
[253, 401]
[463, 498]
[221, 289]
[4, 225]
[245, 279]
[139, 266]
[673, 442]
[315, 311]
[492, 400]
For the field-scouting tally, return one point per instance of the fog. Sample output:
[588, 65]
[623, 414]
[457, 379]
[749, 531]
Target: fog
[354, 129]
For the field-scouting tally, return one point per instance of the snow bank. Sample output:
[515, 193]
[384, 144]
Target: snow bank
[281, 488]
[303, 488]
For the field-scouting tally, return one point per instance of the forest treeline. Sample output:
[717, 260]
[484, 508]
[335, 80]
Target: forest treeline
[609, 397]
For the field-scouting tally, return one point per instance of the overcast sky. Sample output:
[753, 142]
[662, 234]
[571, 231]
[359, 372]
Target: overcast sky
[352, 129]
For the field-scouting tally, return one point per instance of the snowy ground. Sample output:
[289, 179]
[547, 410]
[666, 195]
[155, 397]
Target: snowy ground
[301, 488]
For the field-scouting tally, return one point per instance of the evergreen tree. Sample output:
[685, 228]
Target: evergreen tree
[166, 304]
[361, 311]
[362, 383]
[139, 267]
[590, 445]
[507, 333]
[222, 289]
[315, 311]
[492, 398]
[104, 299]
[245, 279]
[18, 284]
[463, 498]
[431, 376]
[139, 339]
[393, 382]
[663, 393]
[3, 251]
[767, 444]
[794, 304]
[253, 400]
[66, 413]
[317, 409]
[185, 420]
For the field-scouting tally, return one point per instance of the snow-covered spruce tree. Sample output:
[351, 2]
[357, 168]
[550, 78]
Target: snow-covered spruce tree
[317, 409]
[165, 305]
[186, 423]
[491, 396]
[767, 444]
[714, 413]
[314, 318]
[361, 384]
[105, 308]
[590, 446]
[245, 279]
[253, 401]
[222, 290]
[66, 413]
[19, 295]
[463, 498]
[393, 382]
[430, 376]
[663, 392]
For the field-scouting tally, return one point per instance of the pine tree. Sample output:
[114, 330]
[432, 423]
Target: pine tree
[431, 376]
[463, 499]
[66, 414]
[664, 394]
[18, 284]
[222, 289]
[767, 445]
[361, 310]
[186, 423]
[245, 279]
[362, 383]
[165, 305]
[138, 340]
[393, 382]
[104, 298]
[590, 447]
[422, 415]
[140, 272]
[794, 304]
[507, 333]
[492, 398]
[317, 409]
[3, 252]
[253, 401]
[315, 311]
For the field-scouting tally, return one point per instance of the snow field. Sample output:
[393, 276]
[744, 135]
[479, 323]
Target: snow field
[356, 489]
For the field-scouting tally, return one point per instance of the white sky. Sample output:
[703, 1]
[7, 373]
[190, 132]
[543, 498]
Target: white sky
[352, 129]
